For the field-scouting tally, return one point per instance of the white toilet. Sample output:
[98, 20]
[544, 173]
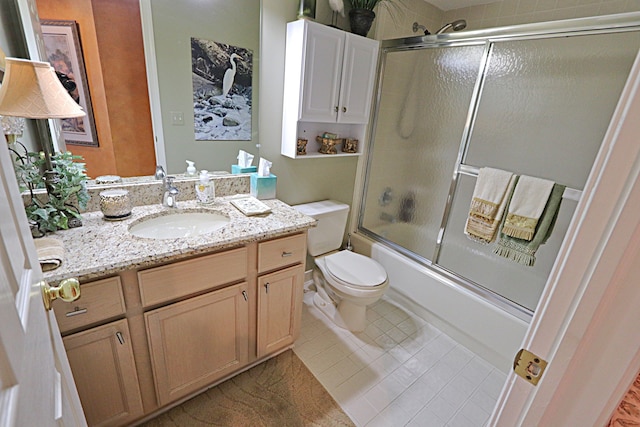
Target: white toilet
[349, 281]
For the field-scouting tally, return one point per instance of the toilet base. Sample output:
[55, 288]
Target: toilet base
[346, 315]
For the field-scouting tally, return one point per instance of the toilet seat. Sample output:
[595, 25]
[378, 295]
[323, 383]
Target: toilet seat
[355, 271]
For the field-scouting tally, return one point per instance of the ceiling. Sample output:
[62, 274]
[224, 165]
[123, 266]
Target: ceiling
[457, 4]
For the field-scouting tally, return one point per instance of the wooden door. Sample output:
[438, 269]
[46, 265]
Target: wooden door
[195, 342]
[279, 309]
[105, 373]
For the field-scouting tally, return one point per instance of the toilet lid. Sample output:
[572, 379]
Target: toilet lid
[355, 269]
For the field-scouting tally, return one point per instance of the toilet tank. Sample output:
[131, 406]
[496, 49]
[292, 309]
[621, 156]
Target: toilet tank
[327, 235]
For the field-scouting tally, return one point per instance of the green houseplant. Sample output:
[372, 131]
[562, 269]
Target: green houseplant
[67, 193]
[361, 15]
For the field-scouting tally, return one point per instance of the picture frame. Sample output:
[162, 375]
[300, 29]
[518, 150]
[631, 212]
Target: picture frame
[222, 81]
[64, 53]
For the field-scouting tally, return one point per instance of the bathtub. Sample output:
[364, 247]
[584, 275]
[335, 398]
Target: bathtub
[474, 322]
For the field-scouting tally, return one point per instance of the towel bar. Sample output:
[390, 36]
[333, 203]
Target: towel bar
[569, 193]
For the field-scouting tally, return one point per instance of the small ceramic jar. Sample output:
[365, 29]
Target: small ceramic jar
[115, 204]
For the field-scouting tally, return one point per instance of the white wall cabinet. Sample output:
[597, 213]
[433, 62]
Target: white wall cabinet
[329, 80]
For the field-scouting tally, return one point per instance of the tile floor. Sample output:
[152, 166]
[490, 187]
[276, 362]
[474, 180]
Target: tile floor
[400, 371]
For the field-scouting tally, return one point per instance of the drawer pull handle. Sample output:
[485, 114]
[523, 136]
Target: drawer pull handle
[286, 254]
[75, 312]
[120, 337]
[266, 286]
[244, 294]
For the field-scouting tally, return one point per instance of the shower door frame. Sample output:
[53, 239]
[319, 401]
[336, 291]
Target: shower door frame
[488, 37]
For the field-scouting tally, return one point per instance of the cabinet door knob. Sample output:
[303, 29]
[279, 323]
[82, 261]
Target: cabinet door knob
[244, 294]
[266, 287]
[344, 109]
[286, 254]
[120, 338]
[336, 108]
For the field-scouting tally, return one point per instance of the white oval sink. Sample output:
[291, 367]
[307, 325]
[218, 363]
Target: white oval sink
[178, 224]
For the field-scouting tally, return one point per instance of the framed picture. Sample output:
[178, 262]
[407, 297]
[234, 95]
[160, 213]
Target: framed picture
[62, 46]
[222, 91]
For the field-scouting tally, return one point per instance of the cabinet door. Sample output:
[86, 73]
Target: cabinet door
[104, 370]
[358, 77]
[322, 70]
[279, 309]
[195, 342]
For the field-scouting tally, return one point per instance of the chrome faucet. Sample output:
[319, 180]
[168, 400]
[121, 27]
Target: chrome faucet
[170, 192]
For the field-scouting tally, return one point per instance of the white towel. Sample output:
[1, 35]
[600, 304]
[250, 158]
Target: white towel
[488, 204]
[527, 204]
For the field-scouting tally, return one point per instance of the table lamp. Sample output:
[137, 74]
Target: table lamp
[32, 90]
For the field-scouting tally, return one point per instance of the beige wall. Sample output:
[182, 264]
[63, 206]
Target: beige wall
[235, 23]
[302, 180]
[512, 12]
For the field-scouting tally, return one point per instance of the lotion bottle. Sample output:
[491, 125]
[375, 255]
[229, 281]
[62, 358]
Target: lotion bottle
[191, 168]
[205, 191]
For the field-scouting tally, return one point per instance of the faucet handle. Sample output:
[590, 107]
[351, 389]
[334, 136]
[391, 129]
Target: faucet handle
[167, 181]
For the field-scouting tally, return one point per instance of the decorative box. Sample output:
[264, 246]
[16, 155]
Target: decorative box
[263, 187]
[238, 169]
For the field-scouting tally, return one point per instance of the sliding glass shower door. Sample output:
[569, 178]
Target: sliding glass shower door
[425, 96]
[532, 103]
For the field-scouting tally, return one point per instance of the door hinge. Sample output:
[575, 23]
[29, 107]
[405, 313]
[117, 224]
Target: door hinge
[529, 366]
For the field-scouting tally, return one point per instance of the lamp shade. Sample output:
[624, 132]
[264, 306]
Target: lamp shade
[32, 90]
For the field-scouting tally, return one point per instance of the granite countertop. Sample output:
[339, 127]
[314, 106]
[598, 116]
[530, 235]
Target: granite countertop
[101, 248]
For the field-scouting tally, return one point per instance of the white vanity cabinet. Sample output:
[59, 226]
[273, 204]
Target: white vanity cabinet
[329, 80]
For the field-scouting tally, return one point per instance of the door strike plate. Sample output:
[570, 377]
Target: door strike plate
[529, 366]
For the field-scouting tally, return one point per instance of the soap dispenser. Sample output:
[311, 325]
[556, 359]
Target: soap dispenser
[191, 168]
[205, 191]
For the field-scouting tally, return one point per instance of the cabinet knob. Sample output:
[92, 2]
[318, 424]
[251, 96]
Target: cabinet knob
[344, 109]
[244, 294]
[336, 108]
[266, 287]
[286, 254]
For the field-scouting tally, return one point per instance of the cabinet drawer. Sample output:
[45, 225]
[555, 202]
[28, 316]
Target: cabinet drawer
[184, 278]
[281, 252]
[99, 300]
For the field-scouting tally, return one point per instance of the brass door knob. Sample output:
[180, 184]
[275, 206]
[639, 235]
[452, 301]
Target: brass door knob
[68, 290]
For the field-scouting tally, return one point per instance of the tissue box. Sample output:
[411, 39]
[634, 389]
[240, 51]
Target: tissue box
[263, 187]
[238, 169]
